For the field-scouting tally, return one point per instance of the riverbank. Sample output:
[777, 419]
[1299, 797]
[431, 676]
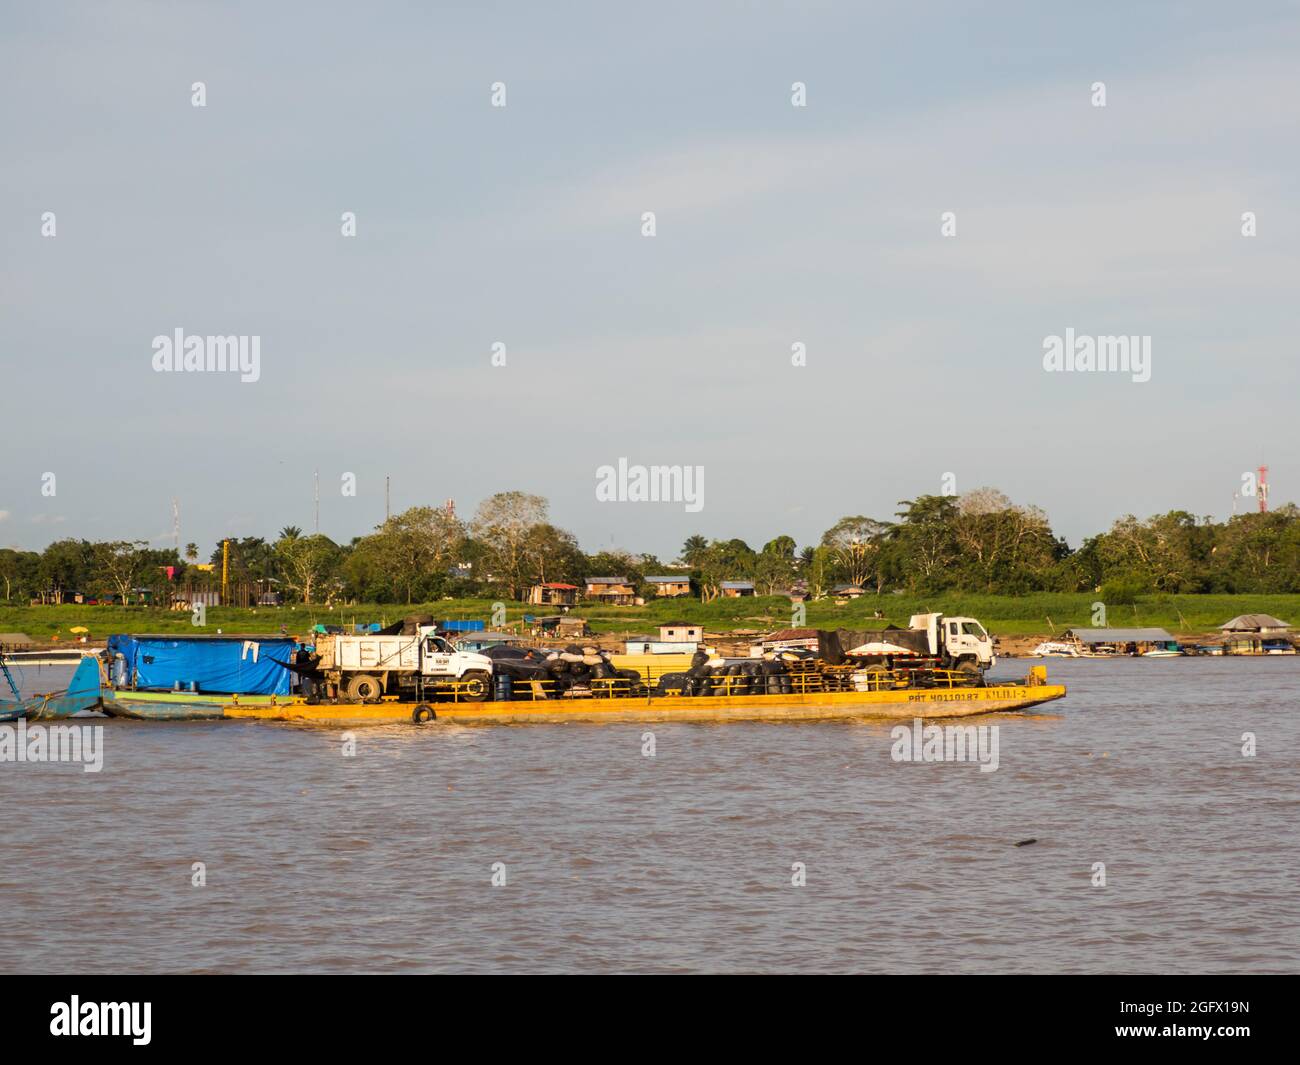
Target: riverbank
[1017, 621]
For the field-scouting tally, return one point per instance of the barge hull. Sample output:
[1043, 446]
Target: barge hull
[885, 705]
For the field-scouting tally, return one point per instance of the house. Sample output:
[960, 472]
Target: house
[553, 594]
[848, 591]
[680, 632]
[648, 645]
[1256, 634]
[1256, 625]
[560, 626]
[615, 590]
[670, 586]
[736, 589]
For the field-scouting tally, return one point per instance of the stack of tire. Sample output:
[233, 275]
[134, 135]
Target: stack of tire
[577, 666]
[766, 676]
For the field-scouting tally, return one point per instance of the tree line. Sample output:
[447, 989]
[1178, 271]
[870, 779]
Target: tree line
[977, 542]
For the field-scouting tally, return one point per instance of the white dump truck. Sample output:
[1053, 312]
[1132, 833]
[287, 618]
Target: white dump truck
[951, 643]
[365, 668]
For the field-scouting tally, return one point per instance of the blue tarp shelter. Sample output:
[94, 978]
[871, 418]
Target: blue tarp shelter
[245, 665]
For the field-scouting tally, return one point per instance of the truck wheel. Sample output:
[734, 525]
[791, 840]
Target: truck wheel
[422, 714]
[365, 689]
[475, 686]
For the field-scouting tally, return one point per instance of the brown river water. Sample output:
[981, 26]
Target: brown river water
[680, 862]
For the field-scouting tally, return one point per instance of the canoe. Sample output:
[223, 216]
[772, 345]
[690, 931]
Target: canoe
[176, 706]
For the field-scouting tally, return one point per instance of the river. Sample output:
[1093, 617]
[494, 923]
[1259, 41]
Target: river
[681, 862]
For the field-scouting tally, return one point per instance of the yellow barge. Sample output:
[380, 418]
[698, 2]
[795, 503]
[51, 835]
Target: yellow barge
[887, 704]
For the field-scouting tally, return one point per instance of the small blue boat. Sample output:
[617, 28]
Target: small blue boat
[82, 693]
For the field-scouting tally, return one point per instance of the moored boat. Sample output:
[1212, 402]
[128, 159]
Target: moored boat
[82, 693]
[1056, 649]
[951, 699]
[178, 706]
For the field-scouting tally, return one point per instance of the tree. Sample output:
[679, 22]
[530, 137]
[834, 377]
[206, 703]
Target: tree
[551, 554]
[503, 524]
[19, 571]
[413, 546]
[773, 570]
[66, 566]
[854, 544]
[781, 547]
[922, 542]
[191, 553]
[119, 565]
[1004, 547]
[693, 549]
[723, 560]
[307, 561]
[252, 559]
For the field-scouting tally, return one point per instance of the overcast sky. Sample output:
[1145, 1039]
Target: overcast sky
[523, 225]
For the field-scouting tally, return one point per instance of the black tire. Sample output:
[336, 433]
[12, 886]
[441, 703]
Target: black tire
[476, 687]
[365, 688]
[422, 714]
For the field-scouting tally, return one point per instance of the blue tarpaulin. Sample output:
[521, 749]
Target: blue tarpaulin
[245, 665]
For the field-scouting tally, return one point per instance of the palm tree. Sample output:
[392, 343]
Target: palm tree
[290, 532]
[191, 553]
[694, 547]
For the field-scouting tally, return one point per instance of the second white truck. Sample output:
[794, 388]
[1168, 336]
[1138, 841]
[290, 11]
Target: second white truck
[363, 669]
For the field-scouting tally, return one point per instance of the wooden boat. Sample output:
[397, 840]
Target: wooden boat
[177, 706]
[894, 703]
[82, 693]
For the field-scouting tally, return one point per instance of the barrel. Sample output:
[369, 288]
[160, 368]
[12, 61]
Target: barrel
[503, 687]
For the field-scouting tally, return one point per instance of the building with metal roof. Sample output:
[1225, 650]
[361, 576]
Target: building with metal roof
[1255, 623]
[1092, 636]
[733, 589]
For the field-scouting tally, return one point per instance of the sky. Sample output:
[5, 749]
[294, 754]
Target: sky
[522, 225]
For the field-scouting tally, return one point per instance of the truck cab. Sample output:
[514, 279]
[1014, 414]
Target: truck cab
[962, 643]
[966, 639]
[438, 658]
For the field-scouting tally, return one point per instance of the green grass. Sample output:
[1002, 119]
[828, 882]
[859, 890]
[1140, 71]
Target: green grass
[1006, 615]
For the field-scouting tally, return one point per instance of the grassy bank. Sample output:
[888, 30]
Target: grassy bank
[1003, 615]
